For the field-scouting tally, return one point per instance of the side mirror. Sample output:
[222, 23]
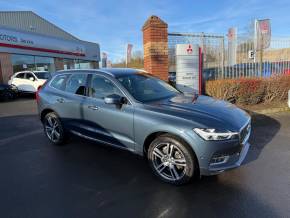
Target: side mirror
[115, 99]
[31, 78]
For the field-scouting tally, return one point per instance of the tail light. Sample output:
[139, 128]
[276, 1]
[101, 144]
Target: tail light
[37, 94]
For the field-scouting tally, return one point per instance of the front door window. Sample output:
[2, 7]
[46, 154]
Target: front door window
[101, 87]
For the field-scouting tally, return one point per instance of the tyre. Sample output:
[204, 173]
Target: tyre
[53, 129]
[7, 96]
[15, 91]
[172, 160]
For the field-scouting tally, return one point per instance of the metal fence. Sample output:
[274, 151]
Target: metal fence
[248, 62]
[263, 63]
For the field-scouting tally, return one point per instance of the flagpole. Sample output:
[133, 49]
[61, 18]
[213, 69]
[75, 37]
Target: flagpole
[126, 55]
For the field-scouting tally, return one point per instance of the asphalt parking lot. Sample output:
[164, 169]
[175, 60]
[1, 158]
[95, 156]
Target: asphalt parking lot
[85, 179]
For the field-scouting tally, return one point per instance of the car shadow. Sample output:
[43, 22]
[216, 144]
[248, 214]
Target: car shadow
[264, 129]
[125, 183]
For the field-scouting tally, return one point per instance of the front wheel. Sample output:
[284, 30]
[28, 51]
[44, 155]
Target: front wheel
[53, 129]
[171, 160]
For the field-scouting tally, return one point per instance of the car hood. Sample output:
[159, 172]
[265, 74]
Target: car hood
[205, 111]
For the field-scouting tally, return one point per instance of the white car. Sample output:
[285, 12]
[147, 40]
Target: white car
[29, 81]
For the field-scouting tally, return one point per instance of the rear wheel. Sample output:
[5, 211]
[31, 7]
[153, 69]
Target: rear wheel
[53, 129]
[171, 160]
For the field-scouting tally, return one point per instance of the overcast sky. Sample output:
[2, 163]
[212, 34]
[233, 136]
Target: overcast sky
[115, 23]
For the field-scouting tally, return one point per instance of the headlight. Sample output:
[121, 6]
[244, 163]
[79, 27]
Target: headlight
[215, 135]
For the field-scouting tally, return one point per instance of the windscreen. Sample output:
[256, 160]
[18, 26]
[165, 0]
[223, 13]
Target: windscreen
[145, 88]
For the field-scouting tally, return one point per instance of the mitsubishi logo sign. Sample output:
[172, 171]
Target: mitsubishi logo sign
[189, 49]
[188, 68]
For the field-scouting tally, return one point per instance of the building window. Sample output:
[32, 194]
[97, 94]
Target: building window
[68, 64]
[58, 62]
[85, 64]
[32, 63]
[44, 64]
[94, 65]
[22, 63]
[40, 63]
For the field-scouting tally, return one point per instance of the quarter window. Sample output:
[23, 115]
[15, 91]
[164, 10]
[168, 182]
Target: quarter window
[102, 87]
[59, 81]
[76, 84]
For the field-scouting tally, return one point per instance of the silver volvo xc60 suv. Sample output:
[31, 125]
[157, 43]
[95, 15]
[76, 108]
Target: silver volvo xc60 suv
[181, 135]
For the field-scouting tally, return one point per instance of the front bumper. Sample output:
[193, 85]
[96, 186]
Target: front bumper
[215, 157]
[234, 161]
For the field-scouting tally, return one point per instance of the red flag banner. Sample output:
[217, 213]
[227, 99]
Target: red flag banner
[263, 28]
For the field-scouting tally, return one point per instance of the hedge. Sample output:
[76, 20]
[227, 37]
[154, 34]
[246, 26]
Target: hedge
[250, 90]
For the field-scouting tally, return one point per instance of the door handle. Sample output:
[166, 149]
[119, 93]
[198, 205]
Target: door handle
[60, 100]
[92, 107]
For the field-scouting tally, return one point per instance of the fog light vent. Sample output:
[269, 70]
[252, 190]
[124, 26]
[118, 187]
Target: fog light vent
[220, 159]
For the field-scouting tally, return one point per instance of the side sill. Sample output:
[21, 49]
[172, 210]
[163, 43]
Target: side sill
[103, 142]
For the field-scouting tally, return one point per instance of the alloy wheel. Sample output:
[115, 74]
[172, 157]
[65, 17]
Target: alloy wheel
[169, 161]
[52, 128]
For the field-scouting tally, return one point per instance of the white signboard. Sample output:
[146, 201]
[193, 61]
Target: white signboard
[187, 68]
[25, 41]
[251, 54]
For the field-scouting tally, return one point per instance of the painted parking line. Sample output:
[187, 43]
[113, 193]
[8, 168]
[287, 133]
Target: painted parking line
[18, 137]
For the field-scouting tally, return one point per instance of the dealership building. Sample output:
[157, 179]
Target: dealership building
[29, 42]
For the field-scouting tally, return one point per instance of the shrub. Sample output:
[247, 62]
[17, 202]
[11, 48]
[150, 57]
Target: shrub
[250, 90]
[277, 88]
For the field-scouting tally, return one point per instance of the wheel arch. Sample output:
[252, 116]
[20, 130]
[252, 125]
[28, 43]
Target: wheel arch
[156, 134]
[44, 112]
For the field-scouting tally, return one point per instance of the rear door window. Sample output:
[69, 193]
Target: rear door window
[30, 75]
[76, 84]
[59, 81]
[20, 76]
